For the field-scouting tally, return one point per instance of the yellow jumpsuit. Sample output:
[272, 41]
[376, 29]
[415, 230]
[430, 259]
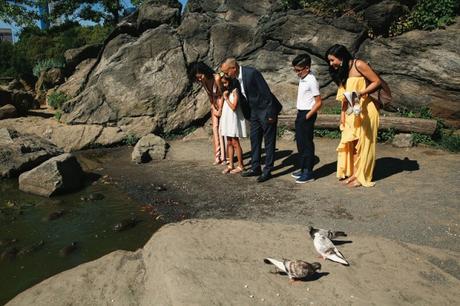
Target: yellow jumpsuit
[362, 128]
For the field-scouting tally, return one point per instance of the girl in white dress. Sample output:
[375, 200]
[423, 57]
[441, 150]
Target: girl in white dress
[232, 124]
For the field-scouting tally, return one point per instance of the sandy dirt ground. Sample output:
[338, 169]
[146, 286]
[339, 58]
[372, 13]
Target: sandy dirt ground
[416, 198]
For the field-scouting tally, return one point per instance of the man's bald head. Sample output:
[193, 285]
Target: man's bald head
[230, 67]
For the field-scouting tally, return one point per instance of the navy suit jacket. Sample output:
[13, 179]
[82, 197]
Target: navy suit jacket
[259, 101]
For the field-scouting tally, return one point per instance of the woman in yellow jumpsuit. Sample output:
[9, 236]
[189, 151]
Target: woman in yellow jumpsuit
[356, 151]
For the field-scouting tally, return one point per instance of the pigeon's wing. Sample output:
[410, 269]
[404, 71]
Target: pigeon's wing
[335, 255]
[277, 263]
[324, 244]
[299, 269]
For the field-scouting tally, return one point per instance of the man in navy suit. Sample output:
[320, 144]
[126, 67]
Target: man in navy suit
[261, 108]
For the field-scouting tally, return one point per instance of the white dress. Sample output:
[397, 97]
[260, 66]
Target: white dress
[232, 123]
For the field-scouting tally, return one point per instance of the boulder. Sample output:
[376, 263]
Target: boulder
[154, 13]
[49, 79]
[149, 147]
[427, 75]
[220, 262]
[381, 15]
[402, 140]
[75, 82]
[7, 111]
[20, 99]
[73, 57]
[19, 152]
[57, 175]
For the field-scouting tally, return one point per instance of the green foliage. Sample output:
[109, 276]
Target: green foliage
[47, 64]
[423, 112]
[386, 135]
[427, 15]
[334, 134]
[58, 115]
[422, 139]
[98, 11]
[18, 12]
[46, 48]
[450, 142]
[280, 130]
[331, 109]
[56, 99]
[130, 140]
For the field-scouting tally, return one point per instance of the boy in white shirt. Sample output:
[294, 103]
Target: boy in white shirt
[308, 104]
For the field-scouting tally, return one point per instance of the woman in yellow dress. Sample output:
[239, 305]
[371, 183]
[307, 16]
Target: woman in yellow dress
[359, 124]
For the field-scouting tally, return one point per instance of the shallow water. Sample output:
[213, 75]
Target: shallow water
[88, 223]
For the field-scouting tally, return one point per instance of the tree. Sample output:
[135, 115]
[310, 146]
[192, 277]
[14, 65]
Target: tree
[20, 12]
[105, 11]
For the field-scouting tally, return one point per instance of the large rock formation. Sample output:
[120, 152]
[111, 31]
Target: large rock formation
[140, 79]
[19, 152]
[213, 262]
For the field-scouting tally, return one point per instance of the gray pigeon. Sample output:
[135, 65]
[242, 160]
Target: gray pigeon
[328, 233]
[327, 249]
[295, 269]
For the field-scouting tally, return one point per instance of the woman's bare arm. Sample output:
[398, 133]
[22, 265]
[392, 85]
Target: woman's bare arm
[371, 77]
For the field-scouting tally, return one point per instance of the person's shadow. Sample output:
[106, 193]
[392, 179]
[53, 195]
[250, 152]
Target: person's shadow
[388, 166]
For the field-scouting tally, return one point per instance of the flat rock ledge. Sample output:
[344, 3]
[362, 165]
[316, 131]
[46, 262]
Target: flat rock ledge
[219, 262]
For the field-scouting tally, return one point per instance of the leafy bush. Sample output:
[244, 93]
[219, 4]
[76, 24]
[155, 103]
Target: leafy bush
[450, 142]
[386, 135]
[47, 64]
[56, 99]
[130, 140]
[427, 15]
[334, 134]
[35, 46]
[58, 115]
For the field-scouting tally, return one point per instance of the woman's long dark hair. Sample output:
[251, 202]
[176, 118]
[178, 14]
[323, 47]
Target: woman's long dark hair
[340, 75]
[200, 67]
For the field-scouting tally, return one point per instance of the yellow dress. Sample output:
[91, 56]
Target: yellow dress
[362, 128]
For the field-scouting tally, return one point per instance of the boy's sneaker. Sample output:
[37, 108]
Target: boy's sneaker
[297, 174]
[305, 178]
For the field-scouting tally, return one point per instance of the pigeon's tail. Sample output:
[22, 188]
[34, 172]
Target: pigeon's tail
[277, 263]
[339, 234]
[338, 258]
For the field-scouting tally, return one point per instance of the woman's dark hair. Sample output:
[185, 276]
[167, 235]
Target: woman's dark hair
[302, 60]
[340, 75]
[200, 67]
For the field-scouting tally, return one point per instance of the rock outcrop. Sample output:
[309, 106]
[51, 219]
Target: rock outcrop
[140, 77]
[57, 175]
[21, 152]
[220, 262]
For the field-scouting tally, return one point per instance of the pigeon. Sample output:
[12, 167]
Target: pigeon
[328, 233]
[327, 249]
[295, 269]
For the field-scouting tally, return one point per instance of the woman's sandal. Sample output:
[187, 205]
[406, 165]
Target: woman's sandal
[228, 169]
[236, 170]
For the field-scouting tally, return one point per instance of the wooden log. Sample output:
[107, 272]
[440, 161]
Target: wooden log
[400, 124]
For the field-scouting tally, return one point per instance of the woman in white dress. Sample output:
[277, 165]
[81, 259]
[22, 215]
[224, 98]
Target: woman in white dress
[232, 124]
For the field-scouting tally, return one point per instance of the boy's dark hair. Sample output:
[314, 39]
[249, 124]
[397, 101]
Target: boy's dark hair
[302, 60]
